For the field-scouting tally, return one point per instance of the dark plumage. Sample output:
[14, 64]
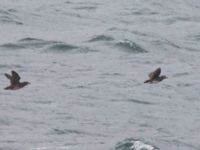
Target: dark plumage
[155, 76]
[15, 81]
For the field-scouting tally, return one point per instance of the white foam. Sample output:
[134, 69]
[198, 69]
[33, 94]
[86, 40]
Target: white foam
[138, 145]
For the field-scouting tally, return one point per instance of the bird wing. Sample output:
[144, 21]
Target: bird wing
[155, 74]
[7, 76]
[15, 77]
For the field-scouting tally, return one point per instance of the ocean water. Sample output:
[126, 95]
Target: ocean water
[87, 61]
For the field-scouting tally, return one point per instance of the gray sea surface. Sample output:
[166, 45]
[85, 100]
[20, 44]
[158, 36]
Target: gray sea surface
[87, 61]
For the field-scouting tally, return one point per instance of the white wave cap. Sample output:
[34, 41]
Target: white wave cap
[138, 145]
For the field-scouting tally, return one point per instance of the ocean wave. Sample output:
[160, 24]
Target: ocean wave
[26, 43]
[134, 144]
[27, 39]
[61, 47]
[35, 43]
[101, 38]
[12, 46]
[130, 46]
[46, 45]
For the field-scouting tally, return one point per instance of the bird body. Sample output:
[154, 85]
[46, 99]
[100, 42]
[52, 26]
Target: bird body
[15, 83]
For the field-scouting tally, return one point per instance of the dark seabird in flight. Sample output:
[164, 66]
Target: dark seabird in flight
[155, 76]
[15, 84]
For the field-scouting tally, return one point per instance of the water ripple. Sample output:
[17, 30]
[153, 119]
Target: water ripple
[8, 16]
[86, 8]
[10, 66]
[134, 101]
[70, 131]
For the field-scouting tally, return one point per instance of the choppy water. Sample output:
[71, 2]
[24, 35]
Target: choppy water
[86, 61]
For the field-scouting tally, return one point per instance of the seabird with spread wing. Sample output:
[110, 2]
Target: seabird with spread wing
[15, 81]
[155, 76]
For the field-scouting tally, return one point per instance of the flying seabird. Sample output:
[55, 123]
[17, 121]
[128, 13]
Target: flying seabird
[14, 81]
[155, 76]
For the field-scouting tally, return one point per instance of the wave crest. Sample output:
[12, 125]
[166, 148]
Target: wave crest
[101, 38]
[133, 144]
[130, 46]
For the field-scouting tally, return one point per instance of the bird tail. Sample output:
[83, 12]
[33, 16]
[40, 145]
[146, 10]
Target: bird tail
[7, 88]
[147, 81]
